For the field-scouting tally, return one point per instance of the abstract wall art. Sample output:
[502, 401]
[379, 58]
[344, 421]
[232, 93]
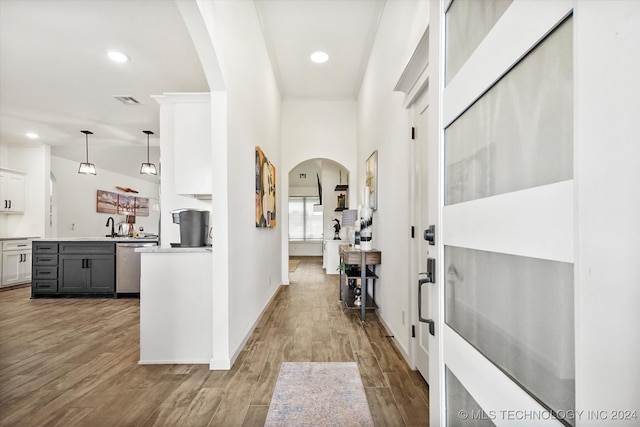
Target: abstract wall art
[265, 191]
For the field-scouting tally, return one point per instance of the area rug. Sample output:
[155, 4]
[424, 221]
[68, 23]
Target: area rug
[319, 394]
[293, 264]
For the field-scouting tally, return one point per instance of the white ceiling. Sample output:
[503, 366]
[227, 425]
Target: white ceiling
[56, 80]
[294, 29]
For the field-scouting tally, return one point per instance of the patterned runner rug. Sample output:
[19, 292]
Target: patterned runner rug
[319, 394]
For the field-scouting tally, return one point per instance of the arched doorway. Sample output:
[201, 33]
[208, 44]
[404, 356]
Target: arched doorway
[317, 193]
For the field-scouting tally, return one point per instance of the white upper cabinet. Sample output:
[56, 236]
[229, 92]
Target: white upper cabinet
[11, 191]
[185, 119]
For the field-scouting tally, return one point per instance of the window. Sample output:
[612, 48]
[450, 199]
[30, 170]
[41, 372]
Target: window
[303, 224]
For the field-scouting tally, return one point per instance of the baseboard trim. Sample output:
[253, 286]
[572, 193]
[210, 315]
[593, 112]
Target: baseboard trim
[15, 286]
[226, 364]
[173, 362]
[220, 364]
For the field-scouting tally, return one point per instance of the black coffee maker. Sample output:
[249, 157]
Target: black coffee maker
[194, 227]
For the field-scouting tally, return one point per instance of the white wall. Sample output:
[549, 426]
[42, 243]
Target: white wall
[247, 261]
[34, 161]
[607, 291]
[76, 200]
[384, 125]
[305, 248]
[315, 128]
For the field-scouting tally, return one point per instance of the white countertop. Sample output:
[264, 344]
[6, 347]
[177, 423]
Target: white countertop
[18, 238]
[99, 239]
[167, 249]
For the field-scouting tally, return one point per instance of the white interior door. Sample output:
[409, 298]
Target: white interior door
[507, 213]
[422, 292]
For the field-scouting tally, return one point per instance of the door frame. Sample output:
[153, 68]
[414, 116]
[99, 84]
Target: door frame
[418, 166]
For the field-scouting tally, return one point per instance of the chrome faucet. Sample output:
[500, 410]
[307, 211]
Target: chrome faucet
[113, 232]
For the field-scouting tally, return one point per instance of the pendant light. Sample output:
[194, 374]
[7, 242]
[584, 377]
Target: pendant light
[148, 168]
[87, 168]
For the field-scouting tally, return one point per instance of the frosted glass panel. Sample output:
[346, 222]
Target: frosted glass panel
[462, 409]
[518, 312]
[467, 24]
[519, 134]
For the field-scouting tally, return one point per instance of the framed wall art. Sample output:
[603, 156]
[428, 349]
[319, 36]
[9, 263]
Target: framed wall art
[126, 205]
[107, 202]
[371, 179]
[142, 206]
[265, 191]
[114, 203]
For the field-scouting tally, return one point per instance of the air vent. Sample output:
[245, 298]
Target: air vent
[127, 100]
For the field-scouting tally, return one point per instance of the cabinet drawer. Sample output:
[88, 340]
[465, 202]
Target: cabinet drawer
[40, 272]
[16, 245]
[355, 257]
[39, 259]
[45, 247]
[44, 286]
[87, 248]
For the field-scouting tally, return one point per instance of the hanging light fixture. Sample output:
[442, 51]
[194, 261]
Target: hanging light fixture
[148, 168]
[87, 168]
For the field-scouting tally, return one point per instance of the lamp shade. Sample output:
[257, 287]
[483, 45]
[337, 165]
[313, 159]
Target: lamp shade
[349, 217]
[148, 169]
[87, 168]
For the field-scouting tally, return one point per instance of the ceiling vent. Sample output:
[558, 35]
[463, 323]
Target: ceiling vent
[127, 100]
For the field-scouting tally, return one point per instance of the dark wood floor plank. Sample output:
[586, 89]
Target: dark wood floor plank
[411, 403]
[384, 410]
[202, 408]
[370, 370]
[233, 408]
[256, 416]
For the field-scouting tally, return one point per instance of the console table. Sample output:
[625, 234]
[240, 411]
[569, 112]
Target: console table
[357, 263]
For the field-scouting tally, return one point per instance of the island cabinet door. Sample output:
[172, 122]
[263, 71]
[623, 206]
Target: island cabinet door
[87, 274]
[73, 274]
[102, 273]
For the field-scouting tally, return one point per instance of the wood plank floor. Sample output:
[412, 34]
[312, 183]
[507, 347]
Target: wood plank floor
[73, 362]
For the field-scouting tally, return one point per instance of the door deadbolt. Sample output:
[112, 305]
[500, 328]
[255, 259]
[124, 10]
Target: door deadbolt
[430, 235]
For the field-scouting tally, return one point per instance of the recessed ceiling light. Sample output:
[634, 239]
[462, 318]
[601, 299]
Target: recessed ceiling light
[116, 56]
[32, 135]
[319, 57]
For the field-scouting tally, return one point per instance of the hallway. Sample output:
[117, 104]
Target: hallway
[74, 362]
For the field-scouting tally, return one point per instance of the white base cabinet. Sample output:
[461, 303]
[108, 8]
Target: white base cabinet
[16, 262]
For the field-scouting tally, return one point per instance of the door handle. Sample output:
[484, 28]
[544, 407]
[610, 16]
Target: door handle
[420, 318]
[83, 260]
[88, 263]
[9, 204]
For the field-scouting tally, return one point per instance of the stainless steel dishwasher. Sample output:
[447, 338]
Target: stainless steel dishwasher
[128, 268]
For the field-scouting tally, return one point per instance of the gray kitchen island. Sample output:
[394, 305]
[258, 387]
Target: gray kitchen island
[76, 267]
